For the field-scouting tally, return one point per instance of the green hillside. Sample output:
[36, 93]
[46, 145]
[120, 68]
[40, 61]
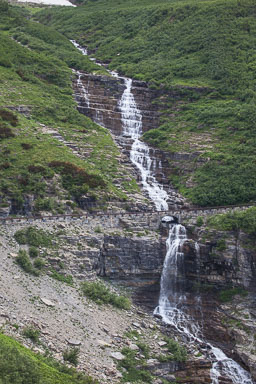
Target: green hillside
[19, 365]
[36, 76]
[204, 50]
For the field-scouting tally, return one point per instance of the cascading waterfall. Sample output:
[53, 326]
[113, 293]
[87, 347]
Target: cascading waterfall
[84, 90]
[170, 305]
[139, 154]
[172, 298]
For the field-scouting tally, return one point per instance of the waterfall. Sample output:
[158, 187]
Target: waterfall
[84, 90]
[139, 154]
[171, 301]
[172, 297]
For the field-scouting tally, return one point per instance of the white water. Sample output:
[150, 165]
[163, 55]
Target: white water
[84, 90]
[139, 154]
[172, 296]
[170, 308]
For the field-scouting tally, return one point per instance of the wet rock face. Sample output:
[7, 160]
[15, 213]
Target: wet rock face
[135, 262]
[104, 94]
[128, 258]
[235, 265]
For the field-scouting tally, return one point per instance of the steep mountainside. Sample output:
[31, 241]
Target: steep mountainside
[100, 178]
[200, 54]
[52, 157]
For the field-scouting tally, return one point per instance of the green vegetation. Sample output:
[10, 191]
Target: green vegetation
[235, 221]
[133, 334]
[31, 333]
[71, 355]
[205, 69]
[101, 294]
[68, 279]
[228, 294]
[221, 245]
[34, 237]
[35, 73]
[178, 352]
[133, 371]
[24, 262]
[33, 252]
[19, 365]
[199, 221]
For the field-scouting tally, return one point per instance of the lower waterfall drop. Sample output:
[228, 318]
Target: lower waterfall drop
[171, 303]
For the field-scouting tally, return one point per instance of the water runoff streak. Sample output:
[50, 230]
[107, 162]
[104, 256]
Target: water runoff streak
[172, 297]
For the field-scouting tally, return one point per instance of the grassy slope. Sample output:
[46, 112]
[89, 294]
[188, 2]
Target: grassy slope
[38, 75]
[20, 365]
[178, 44]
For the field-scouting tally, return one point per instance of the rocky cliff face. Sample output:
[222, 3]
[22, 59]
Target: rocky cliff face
[98, 97]
[104, 94]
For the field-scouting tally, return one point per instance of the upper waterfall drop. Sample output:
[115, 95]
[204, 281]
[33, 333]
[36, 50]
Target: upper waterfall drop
[139, 154]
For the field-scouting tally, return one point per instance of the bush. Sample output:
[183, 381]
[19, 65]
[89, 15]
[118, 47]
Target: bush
[9, 116]
[101, 294]
[26, 146]
[24, 262]
[133, 372]
[221, 245]
[31, 333]
[71, 355]
[235, 221]
[199, 221]
[178, 352]
[33, 236]
[5, 131]
[39, 263]
[33, 252]
[76, 180]
[65, 279]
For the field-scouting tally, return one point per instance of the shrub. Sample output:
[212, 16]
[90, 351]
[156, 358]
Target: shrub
[5, 165]
[221, 245]
[178, 352]
[101, 294]
[199, 221]
[235, 221]
[32, 334]
[36, 169]
[44, 204]
[144, 349]
[133, 373]
[65, 279]
[39, 263]
[33, 252]
[33, 236]
[76, 180]
[24, 262]
[26, 146]
[71, 355]
[5, 131]
[9, 116]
